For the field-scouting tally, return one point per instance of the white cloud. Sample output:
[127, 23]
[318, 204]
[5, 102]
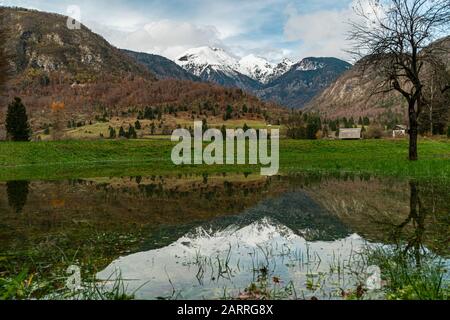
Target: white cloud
[165, 37]
[322, 33]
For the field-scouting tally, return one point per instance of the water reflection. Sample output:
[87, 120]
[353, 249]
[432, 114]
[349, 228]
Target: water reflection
[171, 227]
[17, 194]
[207, 264]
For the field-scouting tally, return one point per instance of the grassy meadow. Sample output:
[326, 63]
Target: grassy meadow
[48, 160]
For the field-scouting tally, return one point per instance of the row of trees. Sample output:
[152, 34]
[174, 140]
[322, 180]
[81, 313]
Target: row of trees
[130, 134]
[303, 126]
[299, 125]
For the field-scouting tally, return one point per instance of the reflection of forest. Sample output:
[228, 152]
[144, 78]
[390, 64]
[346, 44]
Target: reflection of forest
[415, 213]
[128, 204]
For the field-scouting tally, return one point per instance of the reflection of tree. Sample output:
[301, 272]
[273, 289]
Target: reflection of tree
[416, 219]
[17, 194]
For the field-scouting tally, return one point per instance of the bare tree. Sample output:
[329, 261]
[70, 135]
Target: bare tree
[395, 37]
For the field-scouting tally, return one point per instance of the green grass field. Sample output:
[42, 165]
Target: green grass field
[87, 159]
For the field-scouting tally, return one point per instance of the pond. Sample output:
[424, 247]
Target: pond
[219, 237]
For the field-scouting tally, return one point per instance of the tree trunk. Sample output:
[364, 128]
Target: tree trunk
[418, 218]
[413, 133]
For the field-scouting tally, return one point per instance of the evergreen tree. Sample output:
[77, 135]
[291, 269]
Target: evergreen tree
[112, 133]
[152, 128]
[17, 126]
[228, 113]
[137, 125]
[122, 133]
[131, 133]
[246, 127]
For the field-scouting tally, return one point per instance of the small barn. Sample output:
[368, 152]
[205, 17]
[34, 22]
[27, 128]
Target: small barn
[399, 131]
[350, 134]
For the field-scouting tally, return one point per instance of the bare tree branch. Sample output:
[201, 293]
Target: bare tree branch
[395, 37]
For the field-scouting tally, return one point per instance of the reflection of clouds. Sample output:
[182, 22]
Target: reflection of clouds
[193, 263]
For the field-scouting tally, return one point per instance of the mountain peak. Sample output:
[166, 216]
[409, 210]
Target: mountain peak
[198, 59]
[256, 68]
[310, 64]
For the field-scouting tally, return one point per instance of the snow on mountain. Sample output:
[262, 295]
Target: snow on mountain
[206, 62]
[257, 68]
[197, 60]
[218, 66]
[283, 67]
[310, 64]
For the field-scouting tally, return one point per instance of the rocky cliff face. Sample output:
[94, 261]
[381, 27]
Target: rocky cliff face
[42, 43]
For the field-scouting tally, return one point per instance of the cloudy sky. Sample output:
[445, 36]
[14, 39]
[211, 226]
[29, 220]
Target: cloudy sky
[273, 29]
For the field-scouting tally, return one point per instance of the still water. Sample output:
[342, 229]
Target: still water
[223, 236]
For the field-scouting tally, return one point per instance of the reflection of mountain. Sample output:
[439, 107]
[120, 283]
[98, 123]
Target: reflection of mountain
[295, 211]
[203, 261]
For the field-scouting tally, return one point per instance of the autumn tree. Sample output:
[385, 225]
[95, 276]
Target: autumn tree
[395, 37]
[57, 109]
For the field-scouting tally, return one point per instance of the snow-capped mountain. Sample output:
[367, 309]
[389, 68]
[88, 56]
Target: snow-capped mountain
[218, 66]
[287, 83]
[257, 68]
[281, 68]
[197, 60]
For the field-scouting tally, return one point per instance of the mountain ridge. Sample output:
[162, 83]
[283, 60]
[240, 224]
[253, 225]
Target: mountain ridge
[160, 66]
[287, 83]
